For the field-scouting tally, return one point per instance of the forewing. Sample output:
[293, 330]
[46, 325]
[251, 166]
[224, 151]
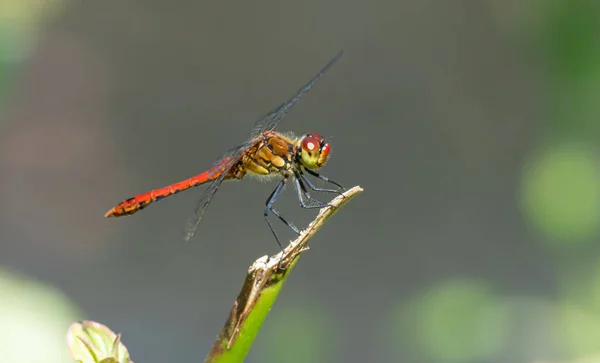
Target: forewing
[270, 120]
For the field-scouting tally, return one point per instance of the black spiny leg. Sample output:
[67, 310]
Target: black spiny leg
[294, 228]
[269, 208]
[317, 189]
[323, 177]
[301, 190]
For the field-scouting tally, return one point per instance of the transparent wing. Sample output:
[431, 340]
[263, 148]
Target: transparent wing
[220, 167]
[270, 120]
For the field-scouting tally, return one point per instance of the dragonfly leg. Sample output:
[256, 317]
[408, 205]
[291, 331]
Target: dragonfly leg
[293, 227]
[301, 191]
[317, 189]
[269, 207]
[323, 177]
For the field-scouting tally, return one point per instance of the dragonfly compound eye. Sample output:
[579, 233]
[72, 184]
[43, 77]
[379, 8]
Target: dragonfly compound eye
[314, 151]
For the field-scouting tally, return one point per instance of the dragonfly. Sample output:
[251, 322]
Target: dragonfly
[266, 154]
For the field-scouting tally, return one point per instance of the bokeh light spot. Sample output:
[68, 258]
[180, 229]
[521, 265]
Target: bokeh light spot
[561, 193]
[458, 320]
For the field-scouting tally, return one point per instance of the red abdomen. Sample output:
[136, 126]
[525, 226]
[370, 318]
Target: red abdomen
[141, 201]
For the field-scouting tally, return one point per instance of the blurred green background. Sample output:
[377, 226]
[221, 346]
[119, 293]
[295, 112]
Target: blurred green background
[472, 125]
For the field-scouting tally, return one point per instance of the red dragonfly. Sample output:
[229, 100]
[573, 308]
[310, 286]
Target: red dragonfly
[266, 153]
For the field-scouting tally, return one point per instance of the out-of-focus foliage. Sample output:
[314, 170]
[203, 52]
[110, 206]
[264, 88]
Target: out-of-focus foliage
[33, 317]
[571, 50]
[562, 183]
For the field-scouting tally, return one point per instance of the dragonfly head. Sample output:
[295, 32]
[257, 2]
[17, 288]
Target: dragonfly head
[313, 151]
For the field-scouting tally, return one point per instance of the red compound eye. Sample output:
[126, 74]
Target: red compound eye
[325, 150]
[324, 155]
[311, 143]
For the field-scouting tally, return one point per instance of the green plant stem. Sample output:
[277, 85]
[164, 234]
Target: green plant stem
[261, 287]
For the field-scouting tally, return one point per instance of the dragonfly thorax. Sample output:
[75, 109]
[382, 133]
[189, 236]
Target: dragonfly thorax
[313, 151]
